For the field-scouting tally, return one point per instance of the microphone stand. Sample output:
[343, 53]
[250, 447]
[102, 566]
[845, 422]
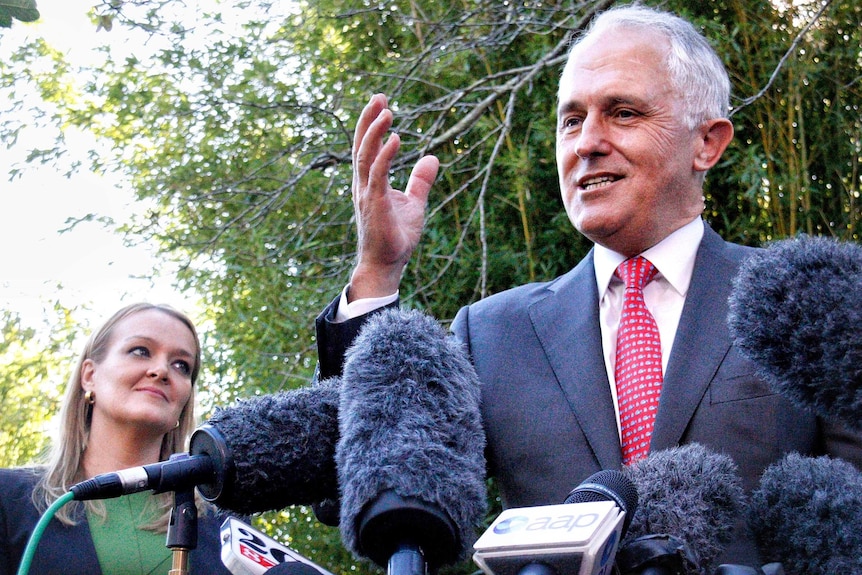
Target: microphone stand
[182, 531]
[408, 559]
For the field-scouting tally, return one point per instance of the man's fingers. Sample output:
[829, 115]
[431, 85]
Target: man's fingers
[372, 109]
[371, 151]
[422, 178]
[378, 175]
[372, 158]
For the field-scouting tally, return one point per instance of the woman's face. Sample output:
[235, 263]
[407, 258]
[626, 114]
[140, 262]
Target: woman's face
[144, 379]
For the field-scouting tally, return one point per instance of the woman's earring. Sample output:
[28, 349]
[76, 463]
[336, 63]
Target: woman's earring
[89, 400]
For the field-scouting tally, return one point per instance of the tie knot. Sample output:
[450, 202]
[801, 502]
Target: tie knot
[636, 272]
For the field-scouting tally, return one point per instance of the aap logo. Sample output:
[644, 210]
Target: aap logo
[510, 525]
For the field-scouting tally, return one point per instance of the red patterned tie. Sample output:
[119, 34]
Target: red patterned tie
[638, 362]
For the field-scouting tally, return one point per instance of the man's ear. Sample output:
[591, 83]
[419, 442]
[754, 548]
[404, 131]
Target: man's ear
[713, 138]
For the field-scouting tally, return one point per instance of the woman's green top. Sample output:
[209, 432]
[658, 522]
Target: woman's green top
[123, 548]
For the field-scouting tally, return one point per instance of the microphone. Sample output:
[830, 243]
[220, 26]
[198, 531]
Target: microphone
[690, 498]
[264, 453]
[282, 449]
[579, 537]
[247, 551]
[794, 311]
[410, 459]
[179, 472]
[608, 485]
[806, 513]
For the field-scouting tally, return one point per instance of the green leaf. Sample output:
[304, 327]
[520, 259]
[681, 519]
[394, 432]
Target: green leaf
[23, 10]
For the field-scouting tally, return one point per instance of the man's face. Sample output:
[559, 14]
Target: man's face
[626, 160]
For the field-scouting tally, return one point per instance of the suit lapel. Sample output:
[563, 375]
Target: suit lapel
[700, 345]
[567, 325]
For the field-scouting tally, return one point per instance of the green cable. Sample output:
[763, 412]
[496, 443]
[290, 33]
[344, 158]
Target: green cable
[30, 550]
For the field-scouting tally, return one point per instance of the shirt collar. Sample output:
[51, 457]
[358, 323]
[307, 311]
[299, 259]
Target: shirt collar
[673, 256]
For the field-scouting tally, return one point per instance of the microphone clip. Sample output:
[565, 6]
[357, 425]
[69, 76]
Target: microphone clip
[667, 552]
[390, 516]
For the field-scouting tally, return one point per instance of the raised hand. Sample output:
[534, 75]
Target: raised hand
[389, 221]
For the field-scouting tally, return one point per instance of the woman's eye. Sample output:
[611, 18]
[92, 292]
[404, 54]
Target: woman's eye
[140, 351]
[183, 367]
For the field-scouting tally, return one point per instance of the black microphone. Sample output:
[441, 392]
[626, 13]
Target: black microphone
[411, 467]
[179, 472]
[689, 501]
[795, 312]
[608, 485]
[264, 453]
[806, 513]
[579, 537]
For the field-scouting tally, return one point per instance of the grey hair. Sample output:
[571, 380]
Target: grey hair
[696, 72]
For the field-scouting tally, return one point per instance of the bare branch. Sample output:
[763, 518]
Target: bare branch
[751, 99]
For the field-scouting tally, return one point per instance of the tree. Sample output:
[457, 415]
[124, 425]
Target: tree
[795, 160]
[243, 143]
[253, 136]
[238, 132]
[33, 375]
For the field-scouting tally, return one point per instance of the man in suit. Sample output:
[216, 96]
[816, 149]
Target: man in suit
[642, 116]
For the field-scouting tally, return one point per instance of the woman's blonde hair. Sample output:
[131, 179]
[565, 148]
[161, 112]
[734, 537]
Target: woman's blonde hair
[64, 464]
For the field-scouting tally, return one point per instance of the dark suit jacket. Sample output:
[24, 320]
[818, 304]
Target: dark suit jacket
[546, 403]
[65, 550]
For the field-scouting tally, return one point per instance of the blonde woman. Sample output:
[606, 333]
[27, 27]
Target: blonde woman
[129, 402]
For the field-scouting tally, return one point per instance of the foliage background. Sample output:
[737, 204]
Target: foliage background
[237, 133]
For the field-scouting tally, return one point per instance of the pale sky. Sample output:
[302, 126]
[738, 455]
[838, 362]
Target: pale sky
[90, 262]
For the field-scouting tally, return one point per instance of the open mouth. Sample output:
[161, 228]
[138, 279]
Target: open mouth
[594, 183]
